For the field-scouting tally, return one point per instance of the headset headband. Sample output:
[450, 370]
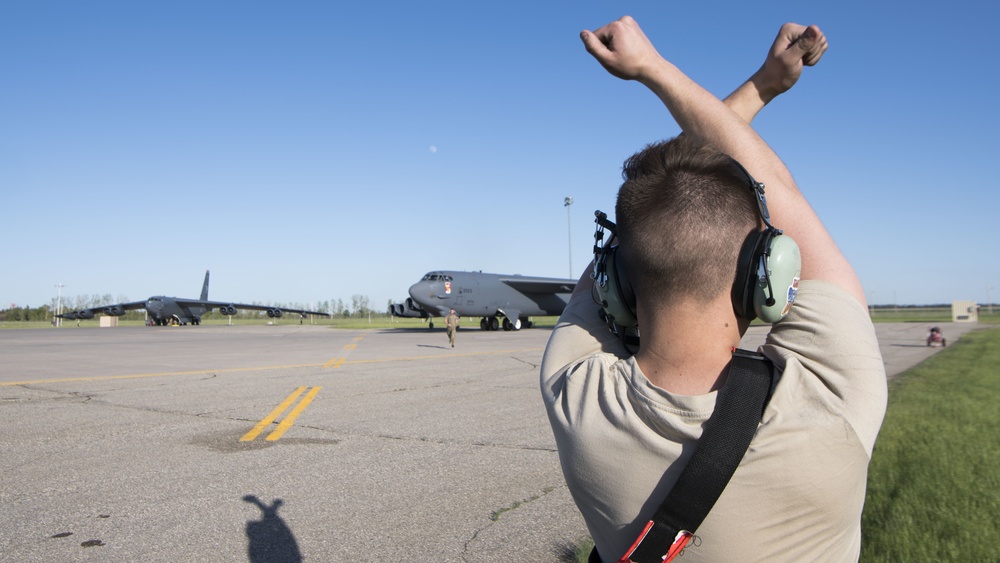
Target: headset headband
[758, 191]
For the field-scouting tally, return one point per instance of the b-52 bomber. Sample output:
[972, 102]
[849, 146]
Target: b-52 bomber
[176, 311]
[475, 294]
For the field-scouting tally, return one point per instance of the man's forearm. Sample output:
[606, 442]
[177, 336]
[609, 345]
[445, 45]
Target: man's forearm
[747, 100]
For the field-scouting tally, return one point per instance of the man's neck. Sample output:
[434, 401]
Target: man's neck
[686, 347]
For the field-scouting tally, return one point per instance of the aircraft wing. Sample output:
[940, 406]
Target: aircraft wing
[226, 304]
[539, 285]
[116, 310]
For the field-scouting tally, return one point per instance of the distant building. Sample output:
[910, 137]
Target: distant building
[964, 312]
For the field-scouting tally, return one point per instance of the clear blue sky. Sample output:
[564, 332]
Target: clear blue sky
[306, 151]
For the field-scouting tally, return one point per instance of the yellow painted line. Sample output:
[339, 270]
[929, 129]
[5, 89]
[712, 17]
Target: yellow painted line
[162, 374]
[442, 356]
[287, 422]
[334, 363]
[338, 361]
[256, 430]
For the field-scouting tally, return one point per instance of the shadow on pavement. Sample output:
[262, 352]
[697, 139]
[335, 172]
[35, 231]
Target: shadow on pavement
[270, 539]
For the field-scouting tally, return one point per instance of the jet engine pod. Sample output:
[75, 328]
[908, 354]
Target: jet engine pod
[227, 310]
[85, 314]
[274, 313]
[408, 309]
[413, 309]
[114, 311]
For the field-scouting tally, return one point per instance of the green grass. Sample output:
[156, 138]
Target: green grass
[381, 321]
[581, 551]
[933, 486]
[927, 315]
[881, 314]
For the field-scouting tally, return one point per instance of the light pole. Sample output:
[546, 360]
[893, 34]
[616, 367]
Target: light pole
[990, 304]
[569, 232]
[59, 287]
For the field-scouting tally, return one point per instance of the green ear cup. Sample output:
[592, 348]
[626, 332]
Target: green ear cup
[784, 266]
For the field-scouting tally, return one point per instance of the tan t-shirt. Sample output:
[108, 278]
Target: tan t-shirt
[799, 491]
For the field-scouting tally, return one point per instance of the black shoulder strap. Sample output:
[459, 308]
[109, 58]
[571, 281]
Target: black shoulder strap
[727, 434]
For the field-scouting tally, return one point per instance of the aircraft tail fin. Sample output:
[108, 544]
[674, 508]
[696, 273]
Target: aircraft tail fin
[204, 288]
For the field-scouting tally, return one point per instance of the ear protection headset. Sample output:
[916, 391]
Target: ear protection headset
[614, 292]
[768, 268]
[767, 272]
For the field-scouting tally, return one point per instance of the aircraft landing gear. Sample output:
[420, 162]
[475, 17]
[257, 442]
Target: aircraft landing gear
[491, 323]
[431, 325]
[511, 325]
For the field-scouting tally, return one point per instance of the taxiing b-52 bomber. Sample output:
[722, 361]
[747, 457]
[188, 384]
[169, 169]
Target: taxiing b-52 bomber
[174, 310]
[475, 294]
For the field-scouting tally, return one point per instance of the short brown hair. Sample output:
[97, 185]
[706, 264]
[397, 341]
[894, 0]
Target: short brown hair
[683, 213]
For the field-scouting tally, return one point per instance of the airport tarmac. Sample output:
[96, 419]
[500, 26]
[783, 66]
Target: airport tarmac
[155, 444]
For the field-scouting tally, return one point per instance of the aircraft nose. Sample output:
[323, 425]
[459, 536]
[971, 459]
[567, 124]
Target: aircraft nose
[419, 290]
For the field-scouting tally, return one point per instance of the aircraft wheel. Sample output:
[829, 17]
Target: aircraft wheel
[506, 324]
[483, 325]
[494, 323]
[516, 325]
[431, 324]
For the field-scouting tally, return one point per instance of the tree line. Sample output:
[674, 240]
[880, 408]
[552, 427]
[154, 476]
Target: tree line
[358, 306]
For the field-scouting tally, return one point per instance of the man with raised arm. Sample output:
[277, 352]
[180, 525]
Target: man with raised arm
[626, 425]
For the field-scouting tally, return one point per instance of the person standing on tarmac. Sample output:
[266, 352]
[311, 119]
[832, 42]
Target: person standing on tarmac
[451, 325]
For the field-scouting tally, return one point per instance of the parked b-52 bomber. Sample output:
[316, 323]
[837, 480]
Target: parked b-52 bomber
[475, 294]
[174, 310]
